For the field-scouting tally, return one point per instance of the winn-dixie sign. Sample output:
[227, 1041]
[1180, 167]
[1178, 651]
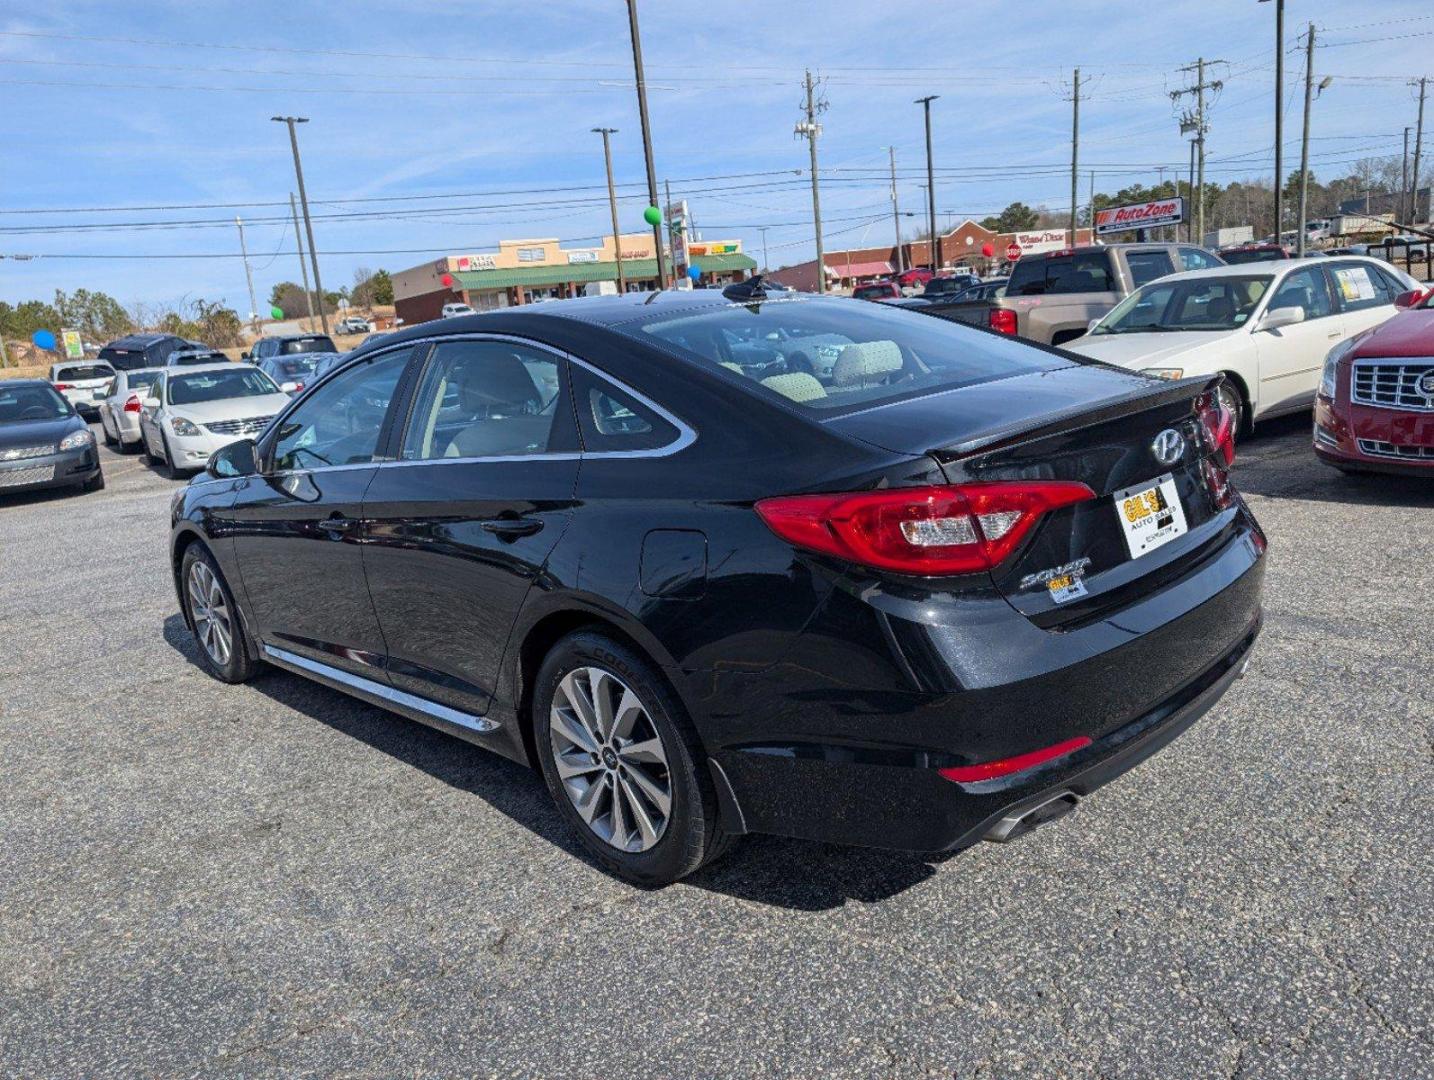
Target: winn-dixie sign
[1146, 215]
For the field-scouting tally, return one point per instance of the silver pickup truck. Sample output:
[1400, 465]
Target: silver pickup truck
[1052, 296]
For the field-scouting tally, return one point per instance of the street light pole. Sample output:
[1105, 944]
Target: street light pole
[249, 277]
[1279, 117]
[896, 213]
[646, 137]
[934, 249]
[1305, 142]
[304, 203]
[766, 267]
[612, 205]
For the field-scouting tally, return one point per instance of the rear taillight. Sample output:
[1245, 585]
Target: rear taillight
[990, 770]
[928, 531]
[63, 386]
[1218, 427]
[132, 403]
[1002, 321]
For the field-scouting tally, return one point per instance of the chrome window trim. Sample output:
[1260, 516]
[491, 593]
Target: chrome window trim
[480, 724]
[686, 436]
[1386, 361]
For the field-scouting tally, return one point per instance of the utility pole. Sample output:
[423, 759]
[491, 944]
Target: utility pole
[1190, 190]
[1404, 181]
[766, 266]
[1305, 142]
[304, 203]
[1159, 191]
[249, 277]
[671, 233]
[303, 270]
[1279, 118]
[1196, 122]
[810, 130]
[612, 205]
[896, 213]
[1075, 152]
[1091, 205]
[646, 136]
[1418, 150]
[934, 248]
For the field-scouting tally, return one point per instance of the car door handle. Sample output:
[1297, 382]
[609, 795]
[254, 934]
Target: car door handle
[512, 527]
[337, 524]
[1335, 334]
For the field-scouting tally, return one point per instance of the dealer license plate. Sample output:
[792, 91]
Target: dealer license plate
[1150, 515]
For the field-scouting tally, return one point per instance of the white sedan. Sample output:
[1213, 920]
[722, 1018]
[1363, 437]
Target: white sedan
[1267, 327]
[194, 411]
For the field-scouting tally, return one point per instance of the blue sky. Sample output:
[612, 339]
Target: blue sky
[493, 102]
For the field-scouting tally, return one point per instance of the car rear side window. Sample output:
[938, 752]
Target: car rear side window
[483, 399]
[612, 420]
[838, 354]
[1146, 266]
[1359, 286]
[1081, 272]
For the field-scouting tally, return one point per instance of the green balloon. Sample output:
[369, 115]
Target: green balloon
[652, 215]
[276, 313]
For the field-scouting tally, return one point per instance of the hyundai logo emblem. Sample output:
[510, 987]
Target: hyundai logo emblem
[1426, 384]
[1168, 447]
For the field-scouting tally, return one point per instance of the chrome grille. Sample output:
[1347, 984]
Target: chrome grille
[20, 453]
[250, 425]
[1394, 384]
[1375, 448]
[32, 474]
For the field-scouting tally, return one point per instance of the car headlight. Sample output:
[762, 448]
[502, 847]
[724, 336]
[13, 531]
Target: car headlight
[1164, 372]
[184, 427]
[76, 440]
[1331, 363]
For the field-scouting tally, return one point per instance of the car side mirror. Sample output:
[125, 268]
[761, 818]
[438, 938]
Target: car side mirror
[150, 403]
[1279, 317]
[237, 459]
[1409, 299]
[1091, 325]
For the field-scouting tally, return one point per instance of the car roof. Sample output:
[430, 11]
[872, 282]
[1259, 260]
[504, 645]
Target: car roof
[1269, 266]
[5, 383]
[137, 340]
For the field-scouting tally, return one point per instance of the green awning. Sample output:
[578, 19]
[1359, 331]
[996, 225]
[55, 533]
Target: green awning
[582, 273]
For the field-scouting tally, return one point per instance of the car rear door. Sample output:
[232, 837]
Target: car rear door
[1365, 294]
[296, 524]
[1292, 357]
[459, 527]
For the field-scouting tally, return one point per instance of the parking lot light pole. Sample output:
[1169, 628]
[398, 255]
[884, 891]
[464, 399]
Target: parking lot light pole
[646, 136]
[304, 203]
[934, 248]
[612, 205]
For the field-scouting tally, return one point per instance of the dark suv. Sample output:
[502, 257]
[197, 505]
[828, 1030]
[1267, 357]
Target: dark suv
[290, 345]
[936, 592]
[142, 351]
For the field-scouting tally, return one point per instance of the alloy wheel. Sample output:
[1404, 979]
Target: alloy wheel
[212, 624]
[610, 759]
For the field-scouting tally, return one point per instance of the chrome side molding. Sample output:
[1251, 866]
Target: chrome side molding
[383, 693]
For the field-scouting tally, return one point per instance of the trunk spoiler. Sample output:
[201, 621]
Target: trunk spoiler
[1031, 428]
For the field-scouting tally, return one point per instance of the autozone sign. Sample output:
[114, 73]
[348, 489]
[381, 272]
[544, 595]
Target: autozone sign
[1146, 215]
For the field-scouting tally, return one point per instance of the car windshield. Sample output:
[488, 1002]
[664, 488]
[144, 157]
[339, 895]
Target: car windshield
[1196, 304]
[835, 354]
[1236, 258]
[31, 402]
[217, 385]
[77, 372]
[308, 345]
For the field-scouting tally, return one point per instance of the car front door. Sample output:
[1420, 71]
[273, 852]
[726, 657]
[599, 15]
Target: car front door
[1292, 357]
[459, 528]
[295, 525]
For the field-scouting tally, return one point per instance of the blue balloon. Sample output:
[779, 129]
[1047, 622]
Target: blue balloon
[694, 272]
[43, 339]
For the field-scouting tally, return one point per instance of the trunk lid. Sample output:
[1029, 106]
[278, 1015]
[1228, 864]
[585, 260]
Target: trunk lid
[1089, 424]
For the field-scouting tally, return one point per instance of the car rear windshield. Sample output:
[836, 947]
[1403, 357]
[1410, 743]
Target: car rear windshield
[1236, 258]
[1079, 272]
[308, 344]
[124, 359]
[84, 371]
[217, 385]
[32, 402]
[141, 380]
[190, 359]
[293, 368]
[835, 355]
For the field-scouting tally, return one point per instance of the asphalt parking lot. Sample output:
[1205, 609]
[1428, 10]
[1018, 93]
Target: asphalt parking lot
[274, 879]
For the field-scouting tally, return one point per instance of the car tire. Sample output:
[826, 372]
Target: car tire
[212, 616]
[94, 483]
[149, 454]
[621, 766]
[1232, 399]
[110, 440]
[169, 470]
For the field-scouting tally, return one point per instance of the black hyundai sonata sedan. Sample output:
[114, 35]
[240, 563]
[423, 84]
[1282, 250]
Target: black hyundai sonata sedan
[742, 561]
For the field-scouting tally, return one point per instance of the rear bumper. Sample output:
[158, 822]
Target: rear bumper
[861, 767]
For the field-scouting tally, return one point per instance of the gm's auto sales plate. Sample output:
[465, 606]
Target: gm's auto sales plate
[1151, 515]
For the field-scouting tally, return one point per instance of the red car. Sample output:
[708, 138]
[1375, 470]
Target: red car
[1374, 411]
[878, 290]
[917, 275]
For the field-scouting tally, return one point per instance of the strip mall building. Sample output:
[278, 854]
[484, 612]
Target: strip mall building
[961, 248]
[528, 271]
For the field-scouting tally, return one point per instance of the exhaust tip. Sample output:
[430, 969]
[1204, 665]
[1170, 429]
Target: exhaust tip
[1022, 820]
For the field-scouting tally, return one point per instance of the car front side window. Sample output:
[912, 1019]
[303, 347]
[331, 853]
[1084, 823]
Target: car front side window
[1304, 289]
[340, 424]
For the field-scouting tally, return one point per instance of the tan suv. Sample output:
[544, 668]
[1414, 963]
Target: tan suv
[1053, 296]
